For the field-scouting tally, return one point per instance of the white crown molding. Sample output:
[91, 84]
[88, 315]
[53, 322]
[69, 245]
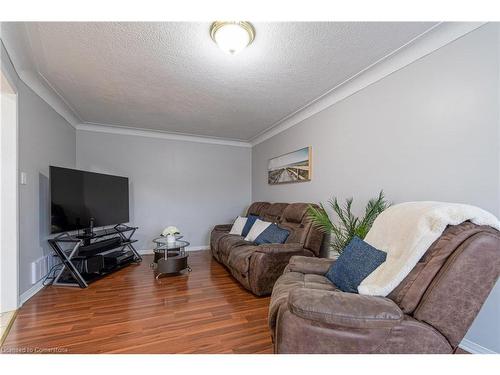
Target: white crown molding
[16, 42]
[40, 86]
[424, 44]
[125, 130]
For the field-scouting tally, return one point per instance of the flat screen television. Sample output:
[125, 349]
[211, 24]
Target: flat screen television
[77, 196]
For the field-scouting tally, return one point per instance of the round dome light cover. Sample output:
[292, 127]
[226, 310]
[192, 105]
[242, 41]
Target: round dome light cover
[232, 37]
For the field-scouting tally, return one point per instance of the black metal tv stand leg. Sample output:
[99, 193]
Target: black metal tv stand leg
[137, 256]
[68, 265]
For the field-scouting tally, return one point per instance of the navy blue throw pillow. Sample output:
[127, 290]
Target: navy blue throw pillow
[248, 225]
[272, 234]
[356, 262]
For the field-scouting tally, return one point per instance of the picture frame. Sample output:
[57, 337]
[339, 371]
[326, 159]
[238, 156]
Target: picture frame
[292, 167]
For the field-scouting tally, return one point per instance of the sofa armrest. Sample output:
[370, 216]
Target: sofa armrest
[267, 264]
[309, 265]
[223, 227]
[280, 248]
[344, 309]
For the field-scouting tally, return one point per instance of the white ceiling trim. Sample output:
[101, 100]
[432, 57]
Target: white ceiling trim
[424, 44]
[17, 36]
[36, 82]
[140, 132]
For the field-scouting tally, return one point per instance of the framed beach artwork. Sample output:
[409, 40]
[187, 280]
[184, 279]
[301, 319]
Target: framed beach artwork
[292, 167]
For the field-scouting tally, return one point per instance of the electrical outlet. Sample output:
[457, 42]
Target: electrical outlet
[24, 178]
[39, 268]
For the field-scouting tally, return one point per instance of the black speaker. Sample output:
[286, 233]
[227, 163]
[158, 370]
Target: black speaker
[117, 258]
[93, 264]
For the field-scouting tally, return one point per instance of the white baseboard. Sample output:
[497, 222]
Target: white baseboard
[197, 248]
[189, 248]
[474, 348]
[31, 292]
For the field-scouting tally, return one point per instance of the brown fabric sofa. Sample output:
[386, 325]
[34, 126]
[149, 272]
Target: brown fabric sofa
[258, 267]
[429, 312]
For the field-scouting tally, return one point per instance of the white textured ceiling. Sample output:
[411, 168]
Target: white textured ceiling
[172, 77]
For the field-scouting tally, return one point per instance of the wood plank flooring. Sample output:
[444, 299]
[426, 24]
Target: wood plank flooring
[205, 311]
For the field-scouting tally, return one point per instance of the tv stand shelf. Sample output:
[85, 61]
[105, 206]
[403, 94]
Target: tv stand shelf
[93, 247]
[116, 230]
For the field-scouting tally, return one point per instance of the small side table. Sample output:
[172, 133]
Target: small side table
[170, 257]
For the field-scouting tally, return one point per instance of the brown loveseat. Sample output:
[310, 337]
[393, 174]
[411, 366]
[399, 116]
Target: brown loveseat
[429, 312]
[258, 267]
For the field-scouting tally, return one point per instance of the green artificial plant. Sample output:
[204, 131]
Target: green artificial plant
[347, 226]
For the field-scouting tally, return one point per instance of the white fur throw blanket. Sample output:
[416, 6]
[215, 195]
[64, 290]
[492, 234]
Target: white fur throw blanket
[405, 231]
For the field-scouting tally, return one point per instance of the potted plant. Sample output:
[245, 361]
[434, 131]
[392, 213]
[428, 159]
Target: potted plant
[347, 225]
[170, 232]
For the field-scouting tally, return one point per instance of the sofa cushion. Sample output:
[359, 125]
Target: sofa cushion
[249, 224]
[295, 220]
[272, 234]
[295, 212]
[215, 238]
[238, 225]
[357, 261]
[274, 212]
[256, 208]
[257, 228]
[344, 309]
[227, 243]
[239, 258]
[314, 241]
[298, 232]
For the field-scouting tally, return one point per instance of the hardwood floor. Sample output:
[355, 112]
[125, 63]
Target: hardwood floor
[205, 311]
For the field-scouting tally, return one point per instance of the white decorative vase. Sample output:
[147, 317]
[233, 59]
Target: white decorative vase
[171, 238]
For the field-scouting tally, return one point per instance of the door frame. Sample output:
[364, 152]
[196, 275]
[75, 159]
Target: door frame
[9, 237]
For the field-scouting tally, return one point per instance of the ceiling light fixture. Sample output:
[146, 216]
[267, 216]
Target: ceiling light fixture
[232, 37]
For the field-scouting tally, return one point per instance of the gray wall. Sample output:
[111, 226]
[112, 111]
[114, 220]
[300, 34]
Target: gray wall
[45, 138]
[427, 132]
[188, 184]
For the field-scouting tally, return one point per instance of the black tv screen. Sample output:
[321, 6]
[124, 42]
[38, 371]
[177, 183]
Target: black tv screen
[77, 196]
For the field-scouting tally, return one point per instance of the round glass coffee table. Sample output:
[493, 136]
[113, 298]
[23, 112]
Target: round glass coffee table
[169, 257]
